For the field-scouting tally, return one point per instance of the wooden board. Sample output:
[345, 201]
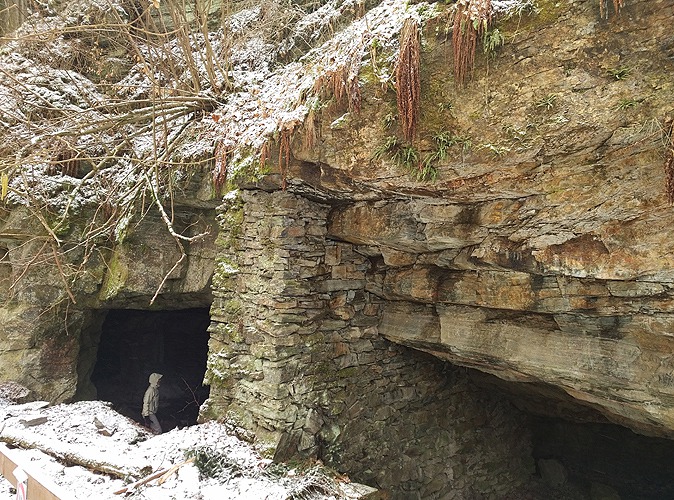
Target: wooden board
[38, 489]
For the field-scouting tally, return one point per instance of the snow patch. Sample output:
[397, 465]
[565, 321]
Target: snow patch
[74, 430]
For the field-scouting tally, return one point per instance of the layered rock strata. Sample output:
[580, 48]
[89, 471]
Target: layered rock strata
[295, 357]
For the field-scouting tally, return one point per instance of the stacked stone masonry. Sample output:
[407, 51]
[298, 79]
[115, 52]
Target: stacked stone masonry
[295, 357]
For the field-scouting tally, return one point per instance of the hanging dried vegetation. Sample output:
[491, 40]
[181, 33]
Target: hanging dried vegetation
[341, 82]
[284, 152]
[65, 159]
[669, 158]
[310, 132]
[408, 79]
[603, 7]
[471, 21]
[263, 156]
[220, 170]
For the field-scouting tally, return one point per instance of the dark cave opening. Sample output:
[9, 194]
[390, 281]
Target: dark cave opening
[135, 343]
[604, 461]
[580, 454]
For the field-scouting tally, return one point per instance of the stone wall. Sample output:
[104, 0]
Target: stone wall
[295, 357]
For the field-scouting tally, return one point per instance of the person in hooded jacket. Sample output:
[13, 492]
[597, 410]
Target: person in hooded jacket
[151, 403]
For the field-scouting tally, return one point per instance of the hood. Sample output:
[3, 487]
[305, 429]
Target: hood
[154, 378]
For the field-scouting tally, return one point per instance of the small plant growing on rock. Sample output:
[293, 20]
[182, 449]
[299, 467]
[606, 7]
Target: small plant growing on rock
[407, 156]
[427, 171]
[389, 120]
[443, 142]
[493, 39]
[446, 106]
[547, 102]
[624, 104]
[619, 73]
[388, 147]
[421, 167]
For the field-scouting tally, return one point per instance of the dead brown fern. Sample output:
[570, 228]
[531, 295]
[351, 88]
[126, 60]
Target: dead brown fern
[220, 169]
[264, 154]
[353, 93]
[603, 7]
[284, 152]
[408, 79]
[310, 133]
[64, 160]
[471, 20]
[669, 158]
[342, 83]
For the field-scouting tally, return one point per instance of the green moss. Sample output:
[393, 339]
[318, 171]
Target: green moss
[246, 169]
[379, 73]
[234, 332]
[314, 339]
[233, 307]
[115, 277]
[348, 372]
[547, 12]
[224, 272]
[217, 370]
[231, 224]
[324, 370]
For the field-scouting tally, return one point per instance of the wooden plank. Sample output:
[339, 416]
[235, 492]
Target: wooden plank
[7, 466]
[38, 489]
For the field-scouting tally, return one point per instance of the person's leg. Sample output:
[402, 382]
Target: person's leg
[154, 424]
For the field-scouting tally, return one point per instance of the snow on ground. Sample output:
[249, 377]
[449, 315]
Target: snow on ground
[91, 432]
[5, 491]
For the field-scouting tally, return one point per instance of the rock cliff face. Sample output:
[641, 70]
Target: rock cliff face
[50, 333]
[539, 254]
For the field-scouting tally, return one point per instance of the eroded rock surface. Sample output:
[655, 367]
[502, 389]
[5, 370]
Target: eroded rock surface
[541, 253]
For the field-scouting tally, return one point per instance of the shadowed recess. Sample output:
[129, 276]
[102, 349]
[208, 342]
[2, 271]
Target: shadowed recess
[135, 343]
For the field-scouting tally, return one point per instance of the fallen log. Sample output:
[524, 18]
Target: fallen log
[70, 458]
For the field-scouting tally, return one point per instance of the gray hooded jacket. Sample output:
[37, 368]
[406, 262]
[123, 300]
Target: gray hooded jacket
[151, 398]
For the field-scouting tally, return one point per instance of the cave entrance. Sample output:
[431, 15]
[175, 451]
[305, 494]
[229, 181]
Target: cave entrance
[580, 454]
[605, 461]
[135, 343]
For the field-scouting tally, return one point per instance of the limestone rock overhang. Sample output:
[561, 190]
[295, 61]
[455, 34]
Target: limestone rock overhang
[541, 253]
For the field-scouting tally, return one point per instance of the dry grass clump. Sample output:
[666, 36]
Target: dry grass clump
[471, 21]
[408, 79]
